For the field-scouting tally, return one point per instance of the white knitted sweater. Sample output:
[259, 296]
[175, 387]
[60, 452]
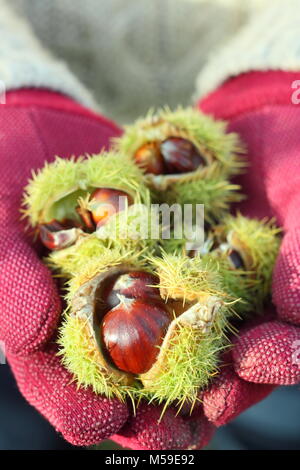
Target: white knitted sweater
[129, 55]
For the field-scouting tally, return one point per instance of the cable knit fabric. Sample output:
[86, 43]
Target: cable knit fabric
[269, 41]
[25, 62]
[135, 54]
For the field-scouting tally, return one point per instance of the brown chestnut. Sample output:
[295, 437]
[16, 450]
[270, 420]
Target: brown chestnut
[57, 235]
[106, 202]
[86, 217]
[132, 285]
[180, 155]
[132, 333]
[236, 259]
[149, 158]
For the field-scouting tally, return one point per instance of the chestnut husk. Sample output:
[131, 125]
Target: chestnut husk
[82, 350]
[256, 242]
[221, 150]
[63, 190]
[199, 315]
[55, 190]
[57, 237]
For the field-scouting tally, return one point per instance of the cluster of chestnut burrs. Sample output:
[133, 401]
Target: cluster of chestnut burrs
[149, 318]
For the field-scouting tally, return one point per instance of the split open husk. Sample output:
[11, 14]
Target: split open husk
[256, 241]
[54, 191]
[209, 184]
[189, 354]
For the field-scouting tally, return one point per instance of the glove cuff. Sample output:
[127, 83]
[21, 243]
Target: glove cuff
[269, 41]
[24, 62]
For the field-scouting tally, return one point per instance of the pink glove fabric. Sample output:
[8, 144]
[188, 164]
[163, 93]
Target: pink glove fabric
[35, 126]
[266, 352]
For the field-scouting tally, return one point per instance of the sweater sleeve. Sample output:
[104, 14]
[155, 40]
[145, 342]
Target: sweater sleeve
[25, 63]
[269, 41]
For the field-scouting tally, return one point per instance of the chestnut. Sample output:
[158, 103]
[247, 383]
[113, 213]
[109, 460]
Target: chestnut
[196, 157]
[57, 235]
[181, 155]
[235, 259]
[132, 333]
[172, 156]
[143, 348]
[132, 285]
[86, 217]
[149, 158]
[106, 202]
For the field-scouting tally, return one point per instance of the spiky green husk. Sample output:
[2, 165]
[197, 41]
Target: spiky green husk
[72, 260]
[261, 240]
[208, 133]
[117, 171]
[119, 236]
[54, 191]
[192, 361]
[50, 184]
[188, 279]
[79, 356]
[78, 347]
[193, 354]
[107, 258]
[215, 193]
[130, 228]
[237, 283]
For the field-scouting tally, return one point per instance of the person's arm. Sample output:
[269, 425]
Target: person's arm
[26, 63]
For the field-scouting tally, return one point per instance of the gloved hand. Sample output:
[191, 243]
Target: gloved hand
[266, 352]
[34, 127]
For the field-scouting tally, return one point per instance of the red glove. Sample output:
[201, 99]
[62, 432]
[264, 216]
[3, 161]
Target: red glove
[266, 353]
[34, 127]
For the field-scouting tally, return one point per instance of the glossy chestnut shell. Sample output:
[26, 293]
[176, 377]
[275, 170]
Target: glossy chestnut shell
[107, 202]
[132, 285]
[57, 235]
[174, 155]
[180, 155]
[236, 259]
[132, 333]
[149, 158]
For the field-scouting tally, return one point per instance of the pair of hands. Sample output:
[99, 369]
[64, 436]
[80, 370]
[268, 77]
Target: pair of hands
[37, 125]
